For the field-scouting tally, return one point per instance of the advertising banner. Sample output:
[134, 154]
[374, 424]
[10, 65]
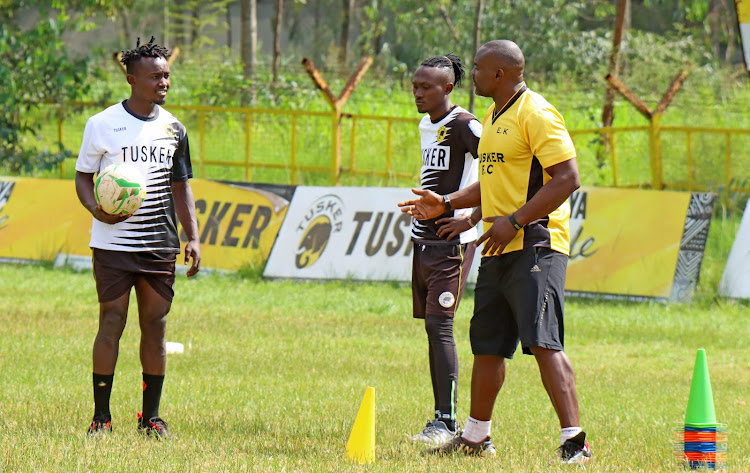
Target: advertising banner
[42, 220]
[635, 244]
[344, 233]
[735, 282]
[743, 19]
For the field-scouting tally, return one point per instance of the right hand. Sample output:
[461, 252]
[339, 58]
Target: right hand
[428, 205]
[103, 216]
[451, 227]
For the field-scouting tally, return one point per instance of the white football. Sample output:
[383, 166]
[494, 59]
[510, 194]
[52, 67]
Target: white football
[120, 189]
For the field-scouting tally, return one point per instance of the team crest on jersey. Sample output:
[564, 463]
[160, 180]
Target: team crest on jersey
[441, 134]
[169, 130]
[322, 219]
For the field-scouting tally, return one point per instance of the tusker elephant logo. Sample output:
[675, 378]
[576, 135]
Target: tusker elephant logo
[313, 242]
[5, 189]
[321, 220]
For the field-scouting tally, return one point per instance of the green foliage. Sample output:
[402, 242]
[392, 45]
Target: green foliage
[34, 67]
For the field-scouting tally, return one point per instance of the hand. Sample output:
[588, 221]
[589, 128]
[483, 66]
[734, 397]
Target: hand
[103, 216]
[193, 250]
[428, 205]
[500, 233]
[451, 227]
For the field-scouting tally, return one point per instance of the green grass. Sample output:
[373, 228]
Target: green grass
[274, 371]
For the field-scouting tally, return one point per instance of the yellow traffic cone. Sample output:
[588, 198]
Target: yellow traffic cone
[361, 444]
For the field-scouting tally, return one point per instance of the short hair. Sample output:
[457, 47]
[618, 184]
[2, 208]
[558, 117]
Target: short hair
[448, 61]
[150, 49]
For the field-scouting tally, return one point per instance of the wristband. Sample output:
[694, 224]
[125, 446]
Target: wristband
[514, 222]
[447, 203]
[471, 224]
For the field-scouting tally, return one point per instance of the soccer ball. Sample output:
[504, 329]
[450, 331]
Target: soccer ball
[120, 189]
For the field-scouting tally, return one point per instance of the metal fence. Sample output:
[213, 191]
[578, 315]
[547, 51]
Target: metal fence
[317, 148]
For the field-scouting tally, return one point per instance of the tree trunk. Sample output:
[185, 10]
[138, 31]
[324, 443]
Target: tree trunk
[346, 13]
[277, 40]
[614, 69]
[196, 21]
[229, 26]
[126, 27]
[166, 39]
[449, 22]
[178, 30]
[477, 29]
[249, 33]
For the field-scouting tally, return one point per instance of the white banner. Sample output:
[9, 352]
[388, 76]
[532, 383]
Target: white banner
[345, 233]
[735, 282]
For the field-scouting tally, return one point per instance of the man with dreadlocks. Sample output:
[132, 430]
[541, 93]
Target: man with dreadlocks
[140, 250]
[443, 249]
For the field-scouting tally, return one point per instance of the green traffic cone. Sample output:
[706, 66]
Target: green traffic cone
[700, 409]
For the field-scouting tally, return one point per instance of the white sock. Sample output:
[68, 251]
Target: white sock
[568, 433]
[476, 430]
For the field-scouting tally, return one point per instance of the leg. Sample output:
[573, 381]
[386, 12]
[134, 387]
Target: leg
[487, 377]
[444, 366]
[112, 318]
[152, 312]
[559, 381]
[152, 316]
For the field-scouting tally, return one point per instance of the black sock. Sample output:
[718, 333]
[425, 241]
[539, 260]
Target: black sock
[102, 392]
[152, 384]
[449, 422]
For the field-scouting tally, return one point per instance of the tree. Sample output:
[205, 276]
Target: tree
[34, 67]
[249, 39]
[346, 15]
[277, 40]
[475, 44]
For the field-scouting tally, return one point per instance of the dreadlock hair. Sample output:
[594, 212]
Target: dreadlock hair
[151, 49]
[448, 61]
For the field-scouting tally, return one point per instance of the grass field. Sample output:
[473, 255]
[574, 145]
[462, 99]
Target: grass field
[274, 371]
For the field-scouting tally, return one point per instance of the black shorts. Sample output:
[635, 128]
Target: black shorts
[519, 297]
[115, 272]
[438, 278]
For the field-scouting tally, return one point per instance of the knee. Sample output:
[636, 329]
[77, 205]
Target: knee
[438, 328]
[111, 324]
[154, 327]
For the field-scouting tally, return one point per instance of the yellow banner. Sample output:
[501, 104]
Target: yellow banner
[743, 11]
[625, 241]
[41, 218]
[743, 21]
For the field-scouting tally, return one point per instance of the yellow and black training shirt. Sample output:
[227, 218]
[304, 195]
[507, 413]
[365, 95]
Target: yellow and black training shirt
[518, 143]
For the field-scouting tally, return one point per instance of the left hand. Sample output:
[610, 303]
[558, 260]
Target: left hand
[497, 236]
[451, 227]
[193, 250]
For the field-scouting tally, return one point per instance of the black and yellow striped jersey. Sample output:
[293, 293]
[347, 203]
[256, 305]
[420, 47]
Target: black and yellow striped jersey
[449, 151]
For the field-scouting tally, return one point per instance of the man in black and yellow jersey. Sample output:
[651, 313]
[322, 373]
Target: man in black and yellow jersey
[443, 247]
[527, 171]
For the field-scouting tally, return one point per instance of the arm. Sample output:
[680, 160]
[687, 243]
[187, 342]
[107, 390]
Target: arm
[431, 205]
[564, 180]
[85, 191]
[185, 208]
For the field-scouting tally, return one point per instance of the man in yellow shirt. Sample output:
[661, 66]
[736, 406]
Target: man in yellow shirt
[527, 171]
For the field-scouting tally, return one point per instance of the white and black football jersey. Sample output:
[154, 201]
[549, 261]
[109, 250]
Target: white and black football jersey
[156, 146]
[449, 152]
